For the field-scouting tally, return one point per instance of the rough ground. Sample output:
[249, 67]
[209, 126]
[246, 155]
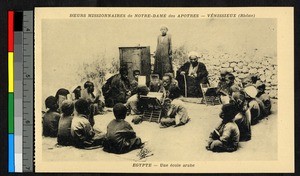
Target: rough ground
[185, 143]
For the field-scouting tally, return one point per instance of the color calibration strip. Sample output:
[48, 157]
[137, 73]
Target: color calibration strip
[20, 91]
[11, 153]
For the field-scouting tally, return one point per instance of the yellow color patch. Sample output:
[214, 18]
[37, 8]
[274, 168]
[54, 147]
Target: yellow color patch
[10, 72]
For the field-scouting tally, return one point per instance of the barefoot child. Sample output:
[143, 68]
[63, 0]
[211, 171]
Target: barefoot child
[64, 126]
[120, 137]
[225, 138]
[51, 117]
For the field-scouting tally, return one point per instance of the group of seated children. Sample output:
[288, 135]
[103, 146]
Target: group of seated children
[243, 106]
[73, 127]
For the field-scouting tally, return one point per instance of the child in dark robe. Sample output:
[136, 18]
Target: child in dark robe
[51, 117]
[64, 126]
[225, 138]
[84, 136]
[120, 136]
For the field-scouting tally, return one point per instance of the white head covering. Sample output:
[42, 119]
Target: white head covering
[251, 91]
[164, 26]
[193, 53]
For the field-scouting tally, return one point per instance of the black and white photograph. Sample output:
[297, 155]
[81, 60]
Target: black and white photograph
[163, 89]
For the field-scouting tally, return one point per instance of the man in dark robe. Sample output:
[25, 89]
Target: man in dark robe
[163, 53]
[117, 88]
[190, 75]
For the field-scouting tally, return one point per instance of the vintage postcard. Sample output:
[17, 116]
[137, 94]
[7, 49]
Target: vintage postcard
[164, 90]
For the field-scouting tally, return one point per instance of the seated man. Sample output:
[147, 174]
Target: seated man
[190, 75]
[225, 138]
[176, 114]
[120, 136]
[166, 86]
[84, 136]
[117, 88]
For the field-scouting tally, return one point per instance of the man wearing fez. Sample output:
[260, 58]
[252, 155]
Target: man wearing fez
[190, 75]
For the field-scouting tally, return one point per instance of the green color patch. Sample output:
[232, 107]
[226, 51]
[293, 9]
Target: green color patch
[10, 112]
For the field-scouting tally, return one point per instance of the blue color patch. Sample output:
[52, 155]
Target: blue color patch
[11, 153]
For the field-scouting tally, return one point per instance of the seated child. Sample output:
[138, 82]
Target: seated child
[134, 83]
[225, 138]
[96, 105]
[228, 88]
[120, 137]
[243, 118]
[61, 95]
[83, 134]
[222, 80]
[264, 97]
[176, 113]
[51, 117]
[76, 91]
[64, 125]
[173, 80]
[132, 103]
[155, 83]
[253, 104]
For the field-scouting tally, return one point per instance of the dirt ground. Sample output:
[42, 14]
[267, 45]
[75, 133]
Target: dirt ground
[184, 143]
